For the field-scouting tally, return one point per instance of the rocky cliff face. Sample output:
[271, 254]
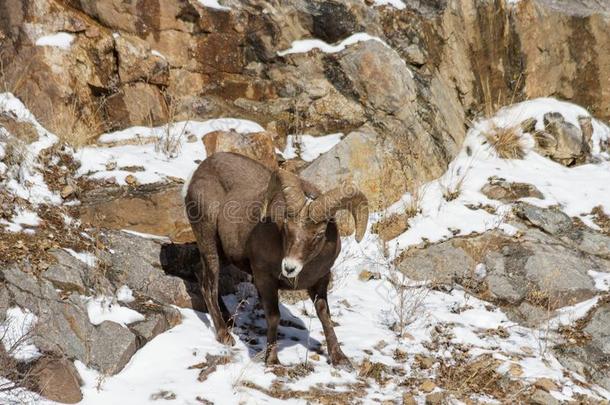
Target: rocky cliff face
[490, 226]
[439, 66]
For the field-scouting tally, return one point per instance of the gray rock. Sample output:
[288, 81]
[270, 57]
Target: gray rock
[590, 242]
[551, 221]
[68, 273]
[502, 190]
[135, 262]
[599, 328]
[561, 274]
[503, 284]
[440, 263]
[593, 357]
[378, 75]
[541, 397]
[112, 347]
[63, 325]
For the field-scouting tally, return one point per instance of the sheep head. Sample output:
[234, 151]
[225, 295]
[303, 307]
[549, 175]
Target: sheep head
[304, 218]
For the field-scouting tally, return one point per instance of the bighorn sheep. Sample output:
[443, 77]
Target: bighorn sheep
[273, 225]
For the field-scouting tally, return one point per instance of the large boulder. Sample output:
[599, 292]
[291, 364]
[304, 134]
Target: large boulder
[63, 325]
[378, 75]
[258, 145]
[358, 158]
[136, 262]
[156, 209]
[57, 379]
[137, 61]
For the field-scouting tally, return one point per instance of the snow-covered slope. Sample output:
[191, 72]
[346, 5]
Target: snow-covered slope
[386, 323]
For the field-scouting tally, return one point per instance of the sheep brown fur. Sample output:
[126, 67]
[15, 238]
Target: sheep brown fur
[273, 225]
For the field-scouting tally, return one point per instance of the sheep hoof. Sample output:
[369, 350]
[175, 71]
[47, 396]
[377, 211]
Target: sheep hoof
[272, 360]
[225, 338]
[342, 362]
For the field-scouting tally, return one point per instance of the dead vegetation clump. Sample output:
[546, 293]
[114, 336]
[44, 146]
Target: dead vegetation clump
[478, 376]
[54, 232]
[506, 141]
[15, 375]
[375, 370]
[324, 394]
[210, 365]
[601, 219]
[75, 125]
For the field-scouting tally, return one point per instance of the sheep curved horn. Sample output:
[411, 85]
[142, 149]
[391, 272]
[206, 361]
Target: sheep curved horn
[290, 187]
[346, 197]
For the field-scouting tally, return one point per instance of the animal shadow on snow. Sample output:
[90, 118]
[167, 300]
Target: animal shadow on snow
[241, 298]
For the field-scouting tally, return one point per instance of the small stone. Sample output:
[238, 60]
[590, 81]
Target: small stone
[427, 386]
[546, 384]
[408, 399]
[92, 32]
[515, 370]
[67, 191]
[366, 275]
[540, 397]
[191, 138]
[529, 125]
[131, 180]
[111, 165]
[436, 398]
[424, 362]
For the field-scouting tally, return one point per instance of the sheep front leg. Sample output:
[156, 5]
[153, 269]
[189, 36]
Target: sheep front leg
[318, 294]
[268, 293]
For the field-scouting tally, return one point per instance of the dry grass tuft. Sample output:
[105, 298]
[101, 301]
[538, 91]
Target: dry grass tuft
[601, 219]
[170, 141]
[507, 142]
[75, 126]
[451, 187]
[476, 377]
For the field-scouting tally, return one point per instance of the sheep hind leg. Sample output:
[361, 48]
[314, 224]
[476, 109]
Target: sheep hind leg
[210, 272]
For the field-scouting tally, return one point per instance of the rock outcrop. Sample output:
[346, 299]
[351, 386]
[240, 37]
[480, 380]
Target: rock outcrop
[543, 268]
[438, 66]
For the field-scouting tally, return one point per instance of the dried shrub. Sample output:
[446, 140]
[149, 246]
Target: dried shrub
[76, 126]
[451, 187]
[506, 141]
[476, 377]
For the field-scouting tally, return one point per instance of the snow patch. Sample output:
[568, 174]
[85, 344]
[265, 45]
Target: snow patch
[103, 308]
[25, 180]
[601, 279]
[154, 165]
[61, 40]
[309, 147]
[213, 4]
[88, 258]
[124, 294]
[306, 45]
[15, 333]
[399, 4]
